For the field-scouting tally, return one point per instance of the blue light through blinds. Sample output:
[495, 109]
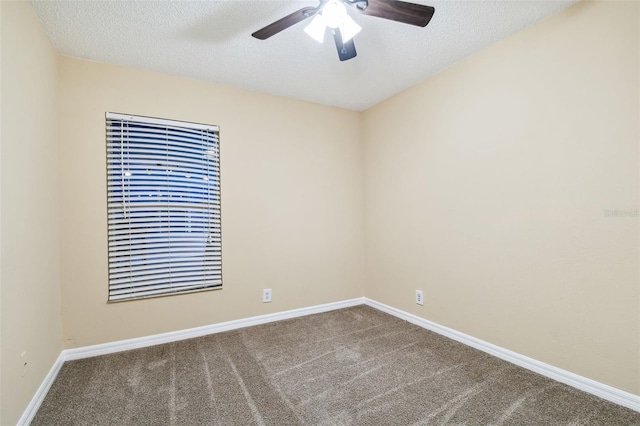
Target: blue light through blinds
[163, 186]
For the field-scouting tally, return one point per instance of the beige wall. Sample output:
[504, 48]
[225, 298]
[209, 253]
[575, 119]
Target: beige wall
[30, 275]
[1, 411]
[292, 200]
[1, 116]
[486, 186]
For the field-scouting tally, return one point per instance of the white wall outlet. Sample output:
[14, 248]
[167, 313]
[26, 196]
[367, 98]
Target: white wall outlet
[266, 295]
[419, 297]
[25, 365]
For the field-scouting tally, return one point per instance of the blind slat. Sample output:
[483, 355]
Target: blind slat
[155, 269]
[142, 293]
[163, 278]
[132, 264]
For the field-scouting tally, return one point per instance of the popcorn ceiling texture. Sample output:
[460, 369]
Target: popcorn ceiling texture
[212, 41]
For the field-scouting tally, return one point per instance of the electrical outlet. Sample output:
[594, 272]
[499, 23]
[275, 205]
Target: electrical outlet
[24, 363]
[419, 297]
[266, 295]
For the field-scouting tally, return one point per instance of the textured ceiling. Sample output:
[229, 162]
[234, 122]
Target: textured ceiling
[211, 40]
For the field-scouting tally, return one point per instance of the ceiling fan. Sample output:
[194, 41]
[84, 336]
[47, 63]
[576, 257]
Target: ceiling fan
[332, 14]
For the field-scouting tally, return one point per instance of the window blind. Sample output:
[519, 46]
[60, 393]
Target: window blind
[163, 189]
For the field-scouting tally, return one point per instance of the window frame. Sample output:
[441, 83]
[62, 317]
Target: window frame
[210, 217]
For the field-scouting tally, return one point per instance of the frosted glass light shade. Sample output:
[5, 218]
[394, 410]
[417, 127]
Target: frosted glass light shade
[349, 28]
[334, 13]
[316, 28]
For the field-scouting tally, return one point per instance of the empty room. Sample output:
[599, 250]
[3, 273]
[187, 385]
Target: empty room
[329, 212]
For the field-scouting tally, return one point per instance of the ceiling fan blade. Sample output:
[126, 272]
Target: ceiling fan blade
[346, 50]
[284, 23]
[400, 11]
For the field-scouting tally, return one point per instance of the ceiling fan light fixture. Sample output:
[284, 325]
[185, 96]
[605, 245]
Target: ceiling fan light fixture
[316, 28]
[349, 29]
[334, 14]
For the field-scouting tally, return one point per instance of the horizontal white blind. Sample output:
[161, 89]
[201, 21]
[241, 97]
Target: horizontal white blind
[163, 187]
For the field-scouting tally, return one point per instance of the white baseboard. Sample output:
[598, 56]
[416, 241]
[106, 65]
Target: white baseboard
[601, 390]
[33, 406]
[174, 336]
[607, 392]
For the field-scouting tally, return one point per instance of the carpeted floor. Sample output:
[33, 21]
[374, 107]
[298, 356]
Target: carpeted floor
[355, 366]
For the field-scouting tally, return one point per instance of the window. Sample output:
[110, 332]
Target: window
[163, 189]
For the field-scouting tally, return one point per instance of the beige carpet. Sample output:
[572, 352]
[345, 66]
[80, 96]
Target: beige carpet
[355, 366]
